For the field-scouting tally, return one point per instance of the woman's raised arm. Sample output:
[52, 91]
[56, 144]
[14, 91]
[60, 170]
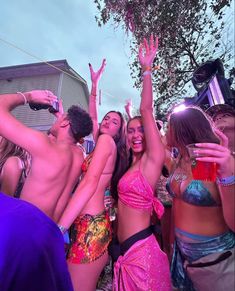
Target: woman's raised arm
[154, 147]
[95, 77]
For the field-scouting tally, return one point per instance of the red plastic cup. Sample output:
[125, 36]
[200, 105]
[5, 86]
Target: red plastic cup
[204, 171]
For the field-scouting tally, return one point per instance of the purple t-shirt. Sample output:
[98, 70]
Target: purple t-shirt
[32, 253]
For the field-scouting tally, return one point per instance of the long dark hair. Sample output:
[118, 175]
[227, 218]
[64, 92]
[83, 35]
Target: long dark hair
[130, 153]
[188, 126]
[121, 164]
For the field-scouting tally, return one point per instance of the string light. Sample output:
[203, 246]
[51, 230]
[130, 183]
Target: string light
[49, 64]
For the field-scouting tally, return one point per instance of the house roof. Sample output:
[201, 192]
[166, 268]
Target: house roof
[35, 69]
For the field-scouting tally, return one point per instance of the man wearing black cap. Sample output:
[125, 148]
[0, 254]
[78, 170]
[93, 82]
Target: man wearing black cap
[224, 117]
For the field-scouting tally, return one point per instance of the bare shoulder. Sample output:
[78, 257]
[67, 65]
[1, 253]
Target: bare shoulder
[79, 150]
[12, 167]
[105, 139]
[67, 152]
[105, 145]
[13, 162]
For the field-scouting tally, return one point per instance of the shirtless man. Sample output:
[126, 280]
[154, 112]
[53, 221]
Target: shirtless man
[56, 163]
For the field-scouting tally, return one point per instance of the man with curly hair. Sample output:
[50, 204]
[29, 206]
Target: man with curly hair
[56, 163]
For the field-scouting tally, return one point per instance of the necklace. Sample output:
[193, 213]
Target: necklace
[180, 177]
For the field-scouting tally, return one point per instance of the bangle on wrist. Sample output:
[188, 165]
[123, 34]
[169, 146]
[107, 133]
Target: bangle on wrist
[62, 228]
[24, 97]
[227, 181]
[147, 68]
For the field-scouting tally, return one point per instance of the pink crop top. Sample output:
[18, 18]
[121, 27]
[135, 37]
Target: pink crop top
[135, 191]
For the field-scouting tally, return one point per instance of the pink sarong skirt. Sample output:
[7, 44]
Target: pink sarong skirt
[144, 267]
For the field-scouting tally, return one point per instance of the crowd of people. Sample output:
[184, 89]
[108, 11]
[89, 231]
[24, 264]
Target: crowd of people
[56, 229]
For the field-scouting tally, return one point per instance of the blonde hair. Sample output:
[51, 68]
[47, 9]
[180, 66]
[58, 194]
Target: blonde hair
[9, 149]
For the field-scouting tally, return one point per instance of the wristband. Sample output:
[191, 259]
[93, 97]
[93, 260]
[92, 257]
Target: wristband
[227, 181]
[66, 237]
[148, 68]
[145, 73]
[21, 94]
[62, 228]
[65, 233]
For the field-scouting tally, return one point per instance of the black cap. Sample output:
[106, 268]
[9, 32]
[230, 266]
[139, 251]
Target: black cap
[214, 110]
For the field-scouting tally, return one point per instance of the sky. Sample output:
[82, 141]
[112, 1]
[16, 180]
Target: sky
[67, 29]
[58, 29]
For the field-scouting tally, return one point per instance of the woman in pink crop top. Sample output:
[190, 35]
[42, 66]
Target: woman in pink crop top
[91, 229]
[141, 265]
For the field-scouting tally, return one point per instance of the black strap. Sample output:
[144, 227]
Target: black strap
[221, 258]
[134, 238]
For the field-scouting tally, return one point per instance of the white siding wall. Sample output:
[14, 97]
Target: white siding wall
[73, 93]
[41, 119]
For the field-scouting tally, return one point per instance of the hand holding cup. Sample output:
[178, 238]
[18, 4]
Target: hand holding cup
[201, 169]
[217, 153]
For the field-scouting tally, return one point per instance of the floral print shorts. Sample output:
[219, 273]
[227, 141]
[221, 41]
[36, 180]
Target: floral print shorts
[90, 236]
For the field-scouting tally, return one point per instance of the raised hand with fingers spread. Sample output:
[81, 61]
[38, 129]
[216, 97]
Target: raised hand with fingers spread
[128, 108]
[147, 52]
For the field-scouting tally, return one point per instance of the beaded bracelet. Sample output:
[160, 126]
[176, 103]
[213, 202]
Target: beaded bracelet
[227, 181]
[147, 68]
[21, 94]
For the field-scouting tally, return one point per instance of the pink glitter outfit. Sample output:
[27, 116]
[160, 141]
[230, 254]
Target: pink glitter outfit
[135, 191]
[144, 266]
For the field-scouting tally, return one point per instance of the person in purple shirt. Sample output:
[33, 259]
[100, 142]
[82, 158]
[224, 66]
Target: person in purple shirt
[32, 253]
